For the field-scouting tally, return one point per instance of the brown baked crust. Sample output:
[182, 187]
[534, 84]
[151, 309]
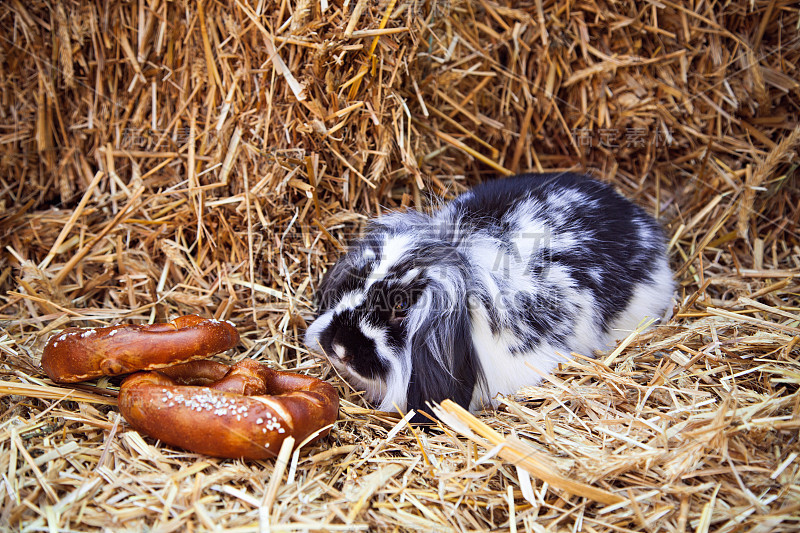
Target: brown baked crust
[78, 354]
[245, 412]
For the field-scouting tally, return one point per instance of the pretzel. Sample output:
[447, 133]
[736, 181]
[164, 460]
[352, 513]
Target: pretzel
[78, 354]
[243, 411]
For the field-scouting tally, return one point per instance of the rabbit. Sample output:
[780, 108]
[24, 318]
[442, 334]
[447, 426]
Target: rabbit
[490, 292]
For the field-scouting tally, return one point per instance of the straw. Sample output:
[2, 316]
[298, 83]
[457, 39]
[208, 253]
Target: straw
[161, 158]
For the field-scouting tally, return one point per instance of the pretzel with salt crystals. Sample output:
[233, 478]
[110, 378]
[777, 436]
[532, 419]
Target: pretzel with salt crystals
[243, 411]
[78, 354]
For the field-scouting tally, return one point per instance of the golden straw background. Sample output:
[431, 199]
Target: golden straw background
[160, 158]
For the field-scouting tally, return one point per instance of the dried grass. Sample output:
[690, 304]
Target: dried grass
[161, 158]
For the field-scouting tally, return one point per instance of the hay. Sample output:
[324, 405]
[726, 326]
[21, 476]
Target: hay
[161, 158]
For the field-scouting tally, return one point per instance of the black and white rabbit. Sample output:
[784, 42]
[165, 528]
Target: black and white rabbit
[491, 291]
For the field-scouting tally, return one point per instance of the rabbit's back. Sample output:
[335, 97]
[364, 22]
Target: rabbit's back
[560, 263]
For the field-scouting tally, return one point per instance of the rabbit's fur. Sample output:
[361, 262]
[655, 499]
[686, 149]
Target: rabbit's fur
[491, 291]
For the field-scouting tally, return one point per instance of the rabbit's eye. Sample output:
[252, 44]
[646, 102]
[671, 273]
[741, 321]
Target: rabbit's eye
[400, 308]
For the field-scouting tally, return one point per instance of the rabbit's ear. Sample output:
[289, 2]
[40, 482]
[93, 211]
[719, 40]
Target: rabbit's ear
[444, 363]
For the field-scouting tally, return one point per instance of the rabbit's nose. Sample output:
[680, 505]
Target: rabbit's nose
[341, 353]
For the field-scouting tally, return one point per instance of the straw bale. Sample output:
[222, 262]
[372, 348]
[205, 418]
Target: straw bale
[159, 158]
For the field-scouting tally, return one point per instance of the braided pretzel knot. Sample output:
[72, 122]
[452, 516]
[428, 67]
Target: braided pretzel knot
[78, 354]
[243, 411]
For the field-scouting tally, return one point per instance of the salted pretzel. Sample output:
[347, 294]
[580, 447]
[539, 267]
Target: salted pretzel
[78, 354]
[240, 411]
